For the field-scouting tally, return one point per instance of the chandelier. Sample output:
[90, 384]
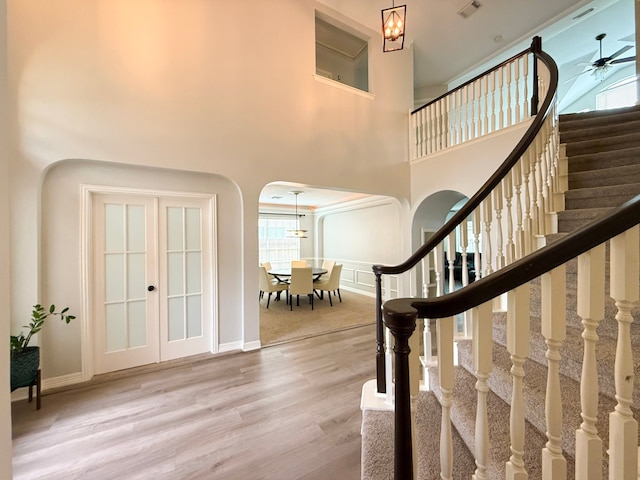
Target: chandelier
[297, 233]
[393, 22]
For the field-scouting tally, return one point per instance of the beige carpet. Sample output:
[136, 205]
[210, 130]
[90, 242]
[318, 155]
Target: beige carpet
[278, 324]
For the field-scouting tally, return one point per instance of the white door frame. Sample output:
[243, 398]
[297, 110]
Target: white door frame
[86, 245]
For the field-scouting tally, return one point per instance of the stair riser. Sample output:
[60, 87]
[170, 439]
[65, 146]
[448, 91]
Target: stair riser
[603, 145]
[573, 121]
[611, 201]
[600, 132]
[598, 161]
[605, 177]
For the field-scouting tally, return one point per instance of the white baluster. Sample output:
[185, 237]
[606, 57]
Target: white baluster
[451, 257]
[553, 316]
[464, 246]
[423, 131]
[517, 183]
[467, 111]
[497, 206]
[500, 73]
[623, 428]
[509, 98]
[526, 189]
[493, 101]
[518, 346]
[427, 352]
[446, 376]
[533, 179]
[590, 308]
[516, 66]
[487, 218]
[438, 254]
[432, 129]
[472, 114]
[438, 126]
[525, 74]
[508, 196]
[460, 117]
[483, 364]
[477, 227]
[485, 116]
[446, 122]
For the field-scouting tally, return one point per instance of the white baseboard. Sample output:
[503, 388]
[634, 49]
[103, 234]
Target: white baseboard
[248, 346]
[229, 347]
[48, 384]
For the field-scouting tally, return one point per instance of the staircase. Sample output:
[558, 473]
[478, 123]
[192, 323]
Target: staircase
[603, 150]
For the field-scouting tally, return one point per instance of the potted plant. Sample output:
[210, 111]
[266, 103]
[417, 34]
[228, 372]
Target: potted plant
[25, 360]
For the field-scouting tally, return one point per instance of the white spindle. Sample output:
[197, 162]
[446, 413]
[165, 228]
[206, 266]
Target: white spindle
[451, 257]
[477, 226]
[533, 182]
[485, 116]
[493, 81]
[509, 98]
[516, 66]
[517, 183]
[487, 218]
[590, 308]
[438, 254]
[473, 114]
[446, 376]
[497, 205]
[508, 197]
[500, 73]
[553, 317]
[483, 364]
[525, 74]
[518, 346]
[623, 428]
[526, 188]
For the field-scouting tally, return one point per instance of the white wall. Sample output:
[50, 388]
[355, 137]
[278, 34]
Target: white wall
[361, 234]
[171, 85]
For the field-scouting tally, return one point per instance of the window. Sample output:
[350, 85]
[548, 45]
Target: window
[619, 94]
[341, 55]
[274, 245]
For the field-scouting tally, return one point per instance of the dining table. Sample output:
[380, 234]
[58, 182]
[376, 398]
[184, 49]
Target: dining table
[283, 274]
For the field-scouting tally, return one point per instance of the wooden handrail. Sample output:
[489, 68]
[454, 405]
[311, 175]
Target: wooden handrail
[522, 271]
[491, 183]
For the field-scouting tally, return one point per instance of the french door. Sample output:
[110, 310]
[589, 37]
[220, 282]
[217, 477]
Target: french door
[152, 279]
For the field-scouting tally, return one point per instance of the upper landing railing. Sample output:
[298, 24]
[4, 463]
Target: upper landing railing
[491, 101]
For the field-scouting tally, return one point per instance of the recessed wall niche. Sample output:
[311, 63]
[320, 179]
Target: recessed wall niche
[341, 55]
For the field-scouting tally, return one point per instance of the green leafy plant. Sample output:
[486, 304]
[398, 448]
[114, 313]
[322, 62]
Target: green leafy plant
[39, 314]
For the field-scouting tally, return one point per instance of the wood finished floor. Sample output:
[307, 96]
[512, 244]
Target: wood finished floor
[290, 411]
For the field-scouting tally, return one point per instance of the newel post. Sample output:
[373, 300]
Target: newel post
[402, 323]
[381, 378]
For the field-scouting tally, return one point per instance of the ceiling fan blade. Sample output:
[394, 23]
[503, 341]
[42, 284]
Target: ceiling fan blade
[623, 60]
[620, 52]
[577, 75]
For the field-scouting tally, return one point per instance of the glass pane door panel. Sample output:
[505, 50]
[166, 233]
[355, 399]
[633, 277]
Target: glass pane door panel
[192, 229]
[116, 329]
[136, 276]
[175, 228]
[176, 319]
[114, 277]
[136, 238]
[114, 228]
[136, 316]
[175, 271]
[194, 272]
[194, 316]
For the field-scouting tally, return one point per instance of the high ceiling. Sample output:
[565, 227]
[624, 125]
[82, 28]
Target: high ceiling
[449, 48]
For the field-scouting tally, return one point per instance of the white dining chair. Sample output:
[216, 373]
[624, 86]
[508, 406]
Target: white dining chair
[298, 263]
[270, 285]
[331, 284]
[301, 283]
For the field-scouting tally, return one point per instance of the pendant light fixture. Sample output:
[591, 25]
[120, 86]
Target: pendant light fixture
[393, 21]
[297, 233]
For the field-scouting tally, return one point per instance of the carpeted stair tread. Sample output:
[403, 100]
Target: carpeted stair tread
[594, 161]
[603, 144]
[377, 443]
[604, 177]
[428, 415]
[600, 197]
[463, 412]
[570, 220]
[571, 121]
[630, 123]
[534, 390]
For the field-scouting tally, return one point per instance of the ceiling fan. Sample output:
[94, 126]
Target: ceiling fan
[602, 64]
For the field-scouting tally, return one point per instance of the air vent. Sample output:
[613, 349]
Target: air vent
[580, 15]
[469, 9]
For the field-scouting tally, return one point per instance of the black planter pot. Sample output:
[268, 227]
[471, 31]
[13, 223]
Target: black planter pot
[24, 368]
